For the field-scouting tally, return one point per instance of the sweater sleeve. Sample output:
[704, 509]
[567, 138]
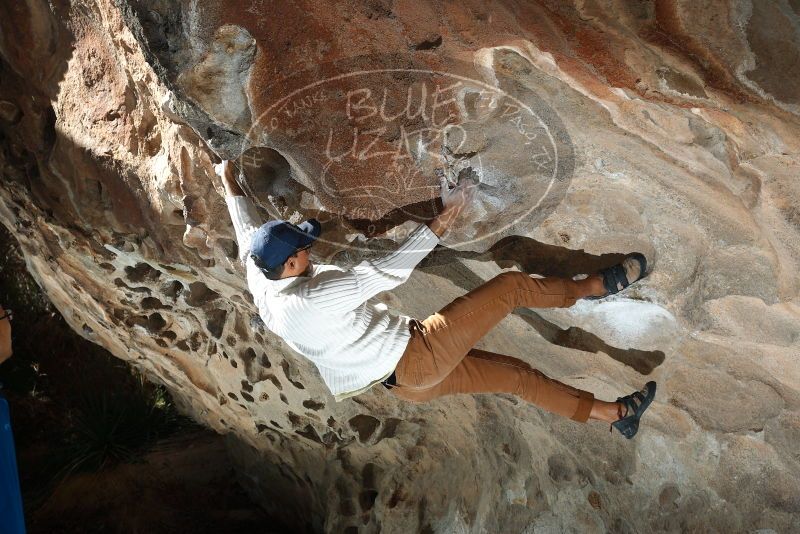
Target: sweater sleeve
[338, 290]
[245, 222]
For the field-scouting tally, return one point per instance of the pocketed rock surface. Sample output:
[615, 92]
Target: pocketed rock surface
[595, 129]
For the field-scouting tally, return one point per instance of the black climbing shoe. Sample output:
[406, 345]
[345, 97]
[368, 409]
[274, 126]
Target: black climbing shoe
[615, 278]
[635, 404]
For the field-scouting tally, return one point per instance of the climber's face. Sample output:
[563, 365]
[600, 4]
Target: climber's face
[299, 264]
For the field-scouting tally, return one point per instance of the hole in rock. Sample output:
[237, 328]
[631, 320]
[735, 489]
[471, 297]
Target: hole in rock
[367, 499]
[248, 357]
[169, 334]
[240, 329]
[49, 135]
[370, 475]
[267, 172]
[289, 373]
[155, 322]
[269, 177]
[389, 429]
[151, 303]
[123, 244]
[309, 433]
[216, 322]
[429, 44]
[171, 289]
[313, 405]
[364, 425]
[137, 320]
[119, 283]
[274, 379]
[142, 272]
[200, 294]
[396, 498]
[196, 340]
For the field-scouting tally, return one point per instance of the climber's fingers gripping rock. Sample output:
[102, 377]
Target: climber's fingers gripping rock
[462, 194]
[227, 175]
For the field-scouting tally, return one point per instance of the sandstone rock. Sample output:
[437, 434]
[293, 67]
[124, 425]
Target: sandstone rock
[9, 112]
[719, 402]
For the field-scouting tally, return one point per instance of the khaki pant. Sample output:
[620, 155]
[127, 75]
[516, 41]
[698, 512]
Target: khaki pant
[440, 358]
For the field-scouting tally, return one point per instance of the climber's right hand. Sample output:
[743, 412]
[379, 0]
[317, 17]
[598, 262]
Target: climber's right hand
[224, 169]
[226, 173]
[454, 200]
[461, 195]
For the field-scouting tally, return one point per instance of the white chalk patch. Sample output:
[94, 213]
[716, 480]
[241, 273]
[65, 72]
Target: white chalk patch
[626, 323]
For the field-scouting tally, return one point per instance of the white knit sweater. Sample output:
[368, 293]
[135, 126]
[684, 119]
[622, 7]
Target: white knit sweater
[332, 317]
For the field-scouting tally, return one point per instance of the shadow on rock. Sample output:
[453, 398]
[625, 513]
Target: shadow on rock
[531, 256]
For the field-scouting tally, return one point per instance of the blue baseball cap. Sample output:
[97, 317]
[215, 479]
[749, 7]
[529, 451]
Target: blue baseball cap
[275, 241]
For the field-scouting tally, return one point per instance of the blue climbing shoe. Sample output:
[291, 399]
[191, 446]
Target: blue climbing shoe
[635, 404]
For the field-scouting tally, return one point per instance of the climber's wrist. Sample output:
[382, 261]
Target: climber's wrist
[226, 173]
[442, 222]
[232, 187]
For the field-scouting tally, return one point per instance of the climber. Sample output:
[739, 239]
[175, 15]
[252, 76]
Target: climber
[330, 316]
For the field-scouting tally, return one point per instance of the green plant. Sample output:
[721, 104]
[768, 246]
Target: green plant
[111, 428]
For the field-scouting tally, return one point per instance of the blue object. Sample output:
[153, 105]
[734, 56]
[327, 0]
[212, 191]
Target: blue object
[11, 518]
[275, 241]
